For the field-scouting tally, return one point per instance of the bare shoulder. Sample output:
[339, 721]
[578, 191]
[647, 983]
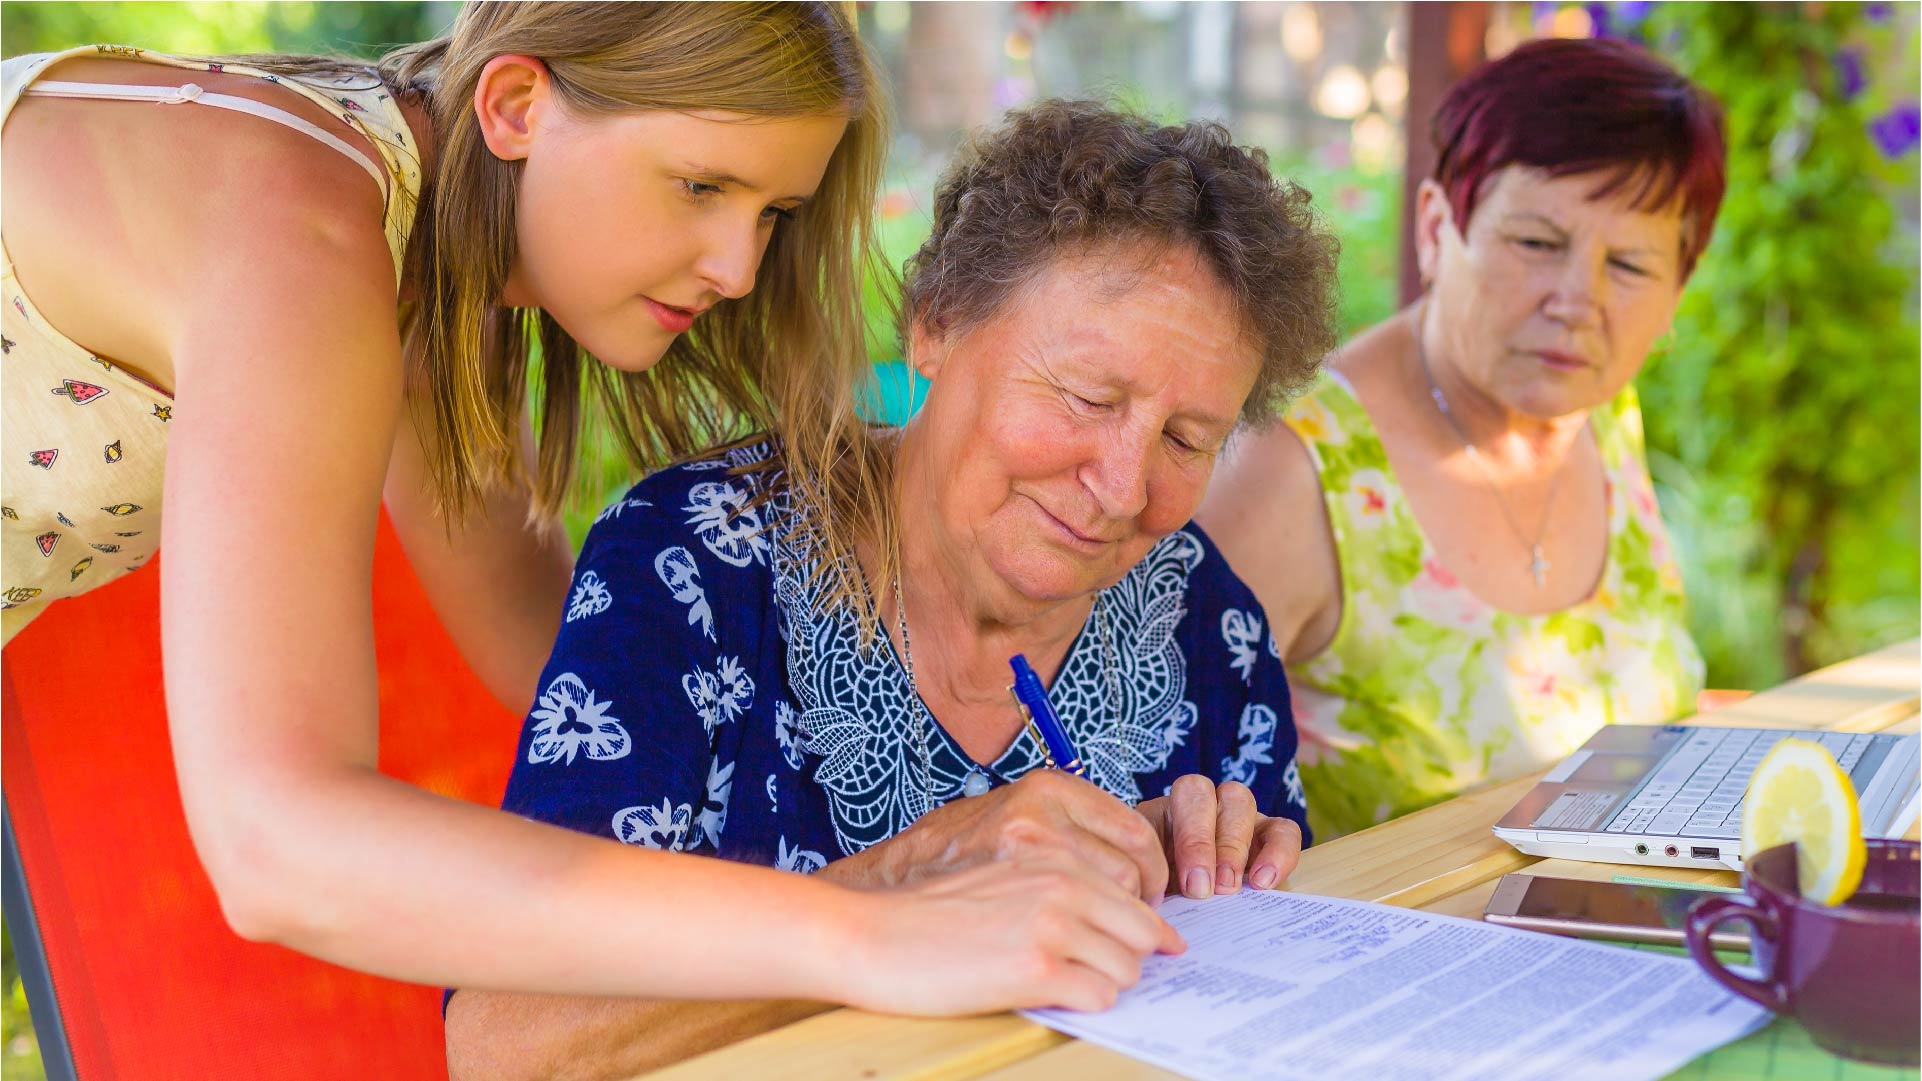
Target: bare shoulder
[1264, 511]
[1266, 477]
[115, 212]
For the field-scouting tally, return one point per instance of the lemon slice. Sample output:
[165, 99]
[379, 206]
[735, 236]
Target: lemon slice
[1799, 794]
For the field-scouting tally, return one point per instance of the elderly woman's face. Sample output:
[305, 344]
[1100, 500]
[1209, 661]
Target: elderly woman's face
[1079, 425]
[1553, 300]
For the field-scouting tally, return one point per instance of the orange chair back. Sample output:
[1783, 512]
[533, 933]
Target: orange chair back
[151, 983]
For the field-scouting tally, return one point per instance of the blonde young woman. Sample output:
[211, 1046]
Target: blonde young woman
[272, 292]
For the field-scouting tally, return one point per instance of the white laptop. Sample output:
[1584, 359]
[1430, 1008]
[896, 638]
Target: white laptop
[1671, 795]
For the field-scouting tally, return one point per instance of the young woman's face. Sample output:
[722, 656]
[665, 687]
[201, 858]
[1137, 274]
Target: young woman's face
[629, 226]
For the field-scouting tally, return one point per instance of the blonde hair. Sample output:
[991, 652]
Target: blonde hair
[782, 359]
[788, 359]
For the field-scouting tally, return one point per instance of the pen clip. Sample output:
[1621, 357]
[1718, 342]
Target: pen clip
[1033, 729]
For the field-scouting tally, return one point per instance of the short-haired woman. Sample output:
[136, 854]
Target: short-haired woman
[1103, 301]
[1454, 535]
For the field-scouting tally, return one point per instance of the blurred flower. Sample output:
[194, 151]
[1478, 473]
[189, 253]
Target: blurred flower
[1343, 93]
[1897, 131]
[1599, 20]
[1848, 72]
[1390, 84]
[1300, 32]
[897, 203]
[1618, 20]
[1372, 141]
[1011, 91]
[1878, 13]
[1571, 22]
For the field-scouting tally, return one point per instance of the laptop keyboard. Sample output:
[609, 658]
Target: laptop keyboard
[1698, 790]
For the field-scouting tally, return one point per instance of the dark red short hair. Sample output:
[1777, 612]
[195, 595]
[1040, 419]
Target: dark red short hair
[1571, 106]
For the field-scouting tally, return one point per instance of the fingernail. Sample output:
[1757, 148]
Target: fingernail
[1196, 885]
[1264, 877]
[1225, 878]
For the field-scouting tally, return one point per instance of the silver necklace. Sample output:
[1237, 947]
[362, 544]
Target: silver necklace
[1537, 562]
[977, 782]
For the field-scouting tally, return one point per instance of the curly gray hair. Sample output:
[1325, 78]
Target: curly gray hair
[1066, 176]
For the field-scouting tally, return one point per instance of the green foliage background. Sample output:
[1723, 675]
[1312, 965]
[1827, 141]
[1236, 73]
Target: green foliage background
[1782, 419]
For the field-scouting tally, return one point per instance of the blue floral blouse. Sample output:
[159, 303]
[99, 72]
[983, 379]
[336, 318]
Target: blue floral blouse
[704, 696]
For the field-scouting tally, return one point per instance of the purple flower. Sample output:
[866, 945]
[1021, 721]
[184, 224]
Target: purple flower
[1848, 72]
[1633, 11]
[1878, 13]
[1541, 10]
[1598, 19]
[1897, 131]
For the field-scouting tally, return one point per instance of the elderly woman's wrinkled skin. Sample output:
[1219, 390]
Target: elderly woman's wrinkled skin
[1062, 437]
[1070, 432]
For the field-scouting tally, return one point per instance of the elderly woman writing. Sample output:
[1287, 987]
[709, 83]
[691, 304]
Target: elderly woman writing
[1102, 303]
[1454, 535]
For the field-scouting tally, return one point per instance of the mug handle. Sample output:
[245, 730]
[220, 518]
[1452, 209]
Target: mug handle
[1702, 921]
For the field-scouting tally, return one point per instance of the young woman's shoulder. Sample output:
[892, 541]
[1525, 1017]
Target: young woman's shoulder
[115, 212]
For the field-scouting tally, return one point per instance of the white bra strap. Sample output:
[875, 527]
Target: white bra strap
[191, 92]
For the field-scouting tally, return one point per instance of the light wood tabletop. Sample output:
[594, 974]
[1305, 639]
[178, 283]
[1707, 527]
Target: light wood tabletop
[1443, 859]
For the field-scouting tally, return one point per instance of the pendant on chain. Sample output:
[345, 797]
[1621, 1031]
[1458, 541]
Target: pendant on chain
[1538, 566]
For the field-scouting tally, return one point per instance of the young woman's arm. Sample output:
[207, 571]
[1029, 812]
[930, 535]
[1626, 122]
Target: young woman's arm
[1045, 816]
[288, 396]
[497, 581]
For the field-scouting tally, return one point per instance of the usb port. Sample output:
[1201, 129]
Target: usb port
[1701, 853]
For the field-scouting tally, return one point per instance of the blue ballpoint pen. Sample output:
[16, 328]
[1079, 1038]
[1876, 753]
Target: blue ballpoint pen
[1032, 697]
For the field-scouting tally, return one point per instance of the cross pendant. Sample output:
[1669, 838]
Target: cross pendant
[1538, 566]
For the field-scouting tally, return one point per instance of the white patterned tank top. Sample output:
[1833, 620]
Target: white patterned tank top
[84, 446]
[1427, 690]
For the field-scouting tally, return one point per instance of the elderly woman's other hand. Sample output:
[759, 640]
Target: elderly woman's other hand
[1215, 838]
[1046, 815]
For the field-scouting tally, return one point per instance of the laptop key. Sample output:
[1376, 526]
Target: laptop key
[1668, 822]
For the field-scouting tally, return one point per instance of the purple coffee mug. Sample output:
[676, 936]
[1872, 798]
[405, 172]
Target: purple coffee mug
[1849, 972]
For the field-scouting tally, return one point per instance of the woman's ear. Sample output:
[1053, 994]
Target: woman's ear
[1433, 214]
[509, 98]
[927, 349]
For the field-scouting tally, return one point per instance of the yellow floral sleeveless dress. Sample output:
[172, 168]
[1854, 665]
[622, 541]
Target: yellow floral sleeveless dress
[84, 444]
[1426, 690]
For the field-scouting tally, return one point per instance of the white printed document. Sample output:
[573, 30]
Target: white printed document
[1288, 985]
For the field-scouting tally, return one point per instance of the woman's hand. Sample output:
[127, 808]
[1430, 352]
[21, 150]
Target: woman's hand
[1046, 814]
[1215, 838]
[1021, 933]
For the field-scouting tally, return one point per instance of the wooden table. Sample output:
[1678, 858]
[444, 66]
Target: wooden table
[1443, 859]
